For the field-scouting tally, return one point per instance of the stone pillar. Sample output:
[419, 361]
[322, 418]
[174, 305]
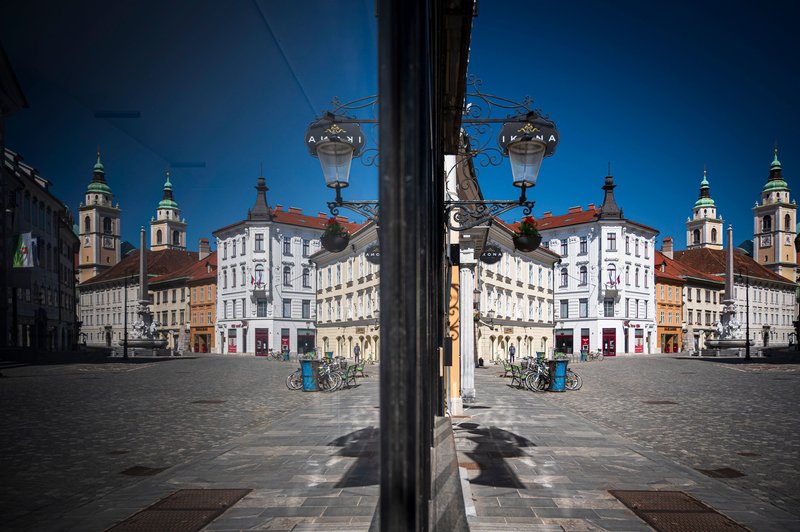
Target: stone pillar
[467, 339]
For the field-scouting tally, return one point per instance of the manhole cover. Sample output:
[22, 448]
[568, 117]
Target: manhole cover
[660, 402]
[674, 511]
[748, 453]
[183, 511]
[723, 472]
[142, 471]
[208, 402]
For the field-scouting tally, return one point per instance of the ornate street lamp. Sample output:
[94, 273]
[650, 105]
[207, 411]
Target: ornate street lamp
[526, 137]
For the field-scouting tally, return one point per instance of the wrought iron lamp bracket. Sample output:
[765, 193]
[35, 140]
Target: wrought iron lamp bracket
[369, 209]
[467, 214]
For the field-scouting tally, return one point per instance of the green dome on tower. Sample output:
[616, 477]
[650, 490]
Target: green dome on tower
[705, 193]
[98, 184]
[167, 202]
[775, 183]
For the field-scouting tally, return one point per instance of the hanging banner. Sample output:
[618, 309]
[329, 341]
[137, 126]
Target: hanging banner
[25, 252]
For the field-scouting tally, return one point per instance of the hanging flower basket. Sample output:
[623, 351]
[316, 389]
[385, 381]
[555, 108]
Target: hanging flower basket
[527, 238]
[335, 243]
[527, 243]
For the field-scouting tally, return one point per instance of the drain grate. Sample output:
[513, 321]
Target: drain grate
[748, 453]
[142, 471]
[660, 402]
[674, 511]
[118, 451]
[208, 402]
[723, 472]
[183, 511]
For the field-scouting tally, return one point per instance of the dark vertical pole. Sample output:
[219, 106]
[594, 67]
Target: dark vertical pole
[408, 303]
[5, 245]
[747, 317]
[125, 317]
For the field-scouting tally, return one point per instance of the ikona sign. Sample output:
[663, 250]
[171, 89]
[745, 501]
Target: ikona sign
[373, 254]
[529, 127]
[332, 128]
[491, 254]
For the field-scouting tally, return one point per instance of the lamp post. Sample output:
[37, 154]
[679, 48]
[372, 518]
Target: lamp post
[746, 278]
[125, 315]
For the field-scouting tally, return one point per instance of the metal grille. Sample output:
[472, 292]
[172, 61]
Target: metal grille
[183, 511]
[660, 402]
[208, 402]
[142, 471]
[724, 472]
[674, 511]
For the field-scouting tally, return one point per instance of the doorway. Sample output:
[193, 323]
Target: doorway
[609, 342]
[262, 342]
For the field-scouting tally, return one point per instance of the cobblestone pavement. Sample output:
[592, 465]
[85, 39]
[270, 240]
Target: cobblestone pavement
[546, 460]
[68, 431]
[728, 414]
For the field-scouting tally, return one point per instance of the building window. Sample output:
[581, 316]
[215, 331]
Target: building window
[107, 225]
[306, 247]
[628, 245]
[176, 239]
[258, 277]
[583, 275]
[224, 278]
[261, 308]
[584, 246]
[208, 316]
[183, 316]
[225, 250]
[183, 295]
[174, 316]
[713, 235]
[564, 247]
[244, 248]
[306, 309]
[87, 224]
[608, 308]
[708, 296]
[259, 242]
[287, 245]
[636, 246]
[647, 250]
[661, 318]
[287, 276]
[612, 242]
[564, 308]
[613, 278]
[306, 278]
[696, 236]
[159, 237]
[233, 276]
[689, 294]
[636, 277]
[583, 308]
[564, 277]
[787, 223]
[766, 223]
[174, 296]
[287, 308]
[233, 249]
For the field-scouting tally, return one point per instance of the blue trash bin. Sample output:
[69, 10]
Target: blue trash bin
[583, 355]
[286, 355]
[558, 374]
[310, 375]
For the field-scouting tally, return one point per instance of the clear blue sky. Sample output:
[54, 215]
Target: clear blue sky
[657, 89]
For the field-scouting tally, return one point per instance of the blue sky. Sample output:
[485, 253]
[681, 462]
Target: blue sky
[657, 89]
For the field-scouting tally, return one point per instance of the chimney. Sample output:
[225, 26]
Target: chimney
[572, 210]
[295, 210]
[590, 207]
[666, 247]
[205, 250]
[547, 214]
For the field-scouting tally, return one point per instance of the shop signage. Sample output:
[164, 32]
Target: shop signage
[332, 128]
[508, 330]
[361, 330]
[235, 325]
[373, 253]
[530, 127]
[491, 254]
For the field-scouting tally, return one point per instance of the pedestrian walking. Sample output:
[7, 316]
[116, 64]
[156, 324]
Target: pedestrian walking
[511, 352]
[357, 353]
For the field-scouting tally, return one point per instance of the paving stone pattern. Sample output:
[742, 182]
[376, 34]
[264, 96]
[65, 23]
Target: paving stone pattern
[546, 461]
[70, 430]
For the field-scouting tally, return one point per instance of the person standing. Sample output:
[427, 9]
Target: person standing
[357, 353]
[511, 352]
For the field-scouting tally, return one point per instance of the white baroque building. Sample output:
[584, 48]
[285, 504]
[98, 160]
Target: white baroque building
[604, 285]
[265, 280]
[348, 301]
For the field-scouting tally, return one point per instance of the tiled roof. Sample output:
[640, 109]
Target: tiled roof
[159, 263]
[294, 216]
[513, 229]
[575, 216]
[680, 270]
[191, 272]
[713, 262]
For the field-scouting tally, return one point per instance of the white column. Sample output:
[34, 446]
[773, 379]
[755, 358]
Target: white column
[466, 340]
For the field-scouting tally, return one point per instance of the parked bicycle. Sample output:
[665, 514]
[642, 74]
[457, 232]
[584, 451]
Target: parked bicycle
[537, 378]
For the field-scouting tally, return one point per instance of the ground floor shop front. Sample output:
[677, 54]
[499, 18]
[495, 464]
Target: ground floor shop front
[262, 337]
[611, 337]
[498, 342]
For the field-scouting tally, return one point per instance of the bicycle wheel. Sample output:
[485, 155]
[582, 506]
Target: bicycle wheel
[573, 381]
[534, 381]
[294, 381]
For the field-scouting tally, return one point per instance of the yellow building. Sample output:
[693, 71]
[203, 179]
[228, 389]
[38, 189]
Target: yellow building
[669, 304]
[202, 285]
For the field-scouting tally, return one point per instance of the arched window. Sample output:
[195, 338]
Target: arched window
[225, 279]
[176, 238]
[159, 237]
[306, 278]
[107, 225]
[713, 235]
[259, 275]
[613, 280]
[244, 277]
[583, 275]
[233, 276]
[636, 277]
[564, 277]
[787, 223]
[87, 224]
[287, 276]
[627, 275]
[696, 236]
[766, 223]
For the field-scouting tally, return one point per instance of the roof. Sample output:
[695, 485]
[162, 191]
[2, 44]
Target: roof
[158, 263]
[513, 229]
[294, 216]
[575, 216]
[192, 272]
[678, 270]
[713, 262]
